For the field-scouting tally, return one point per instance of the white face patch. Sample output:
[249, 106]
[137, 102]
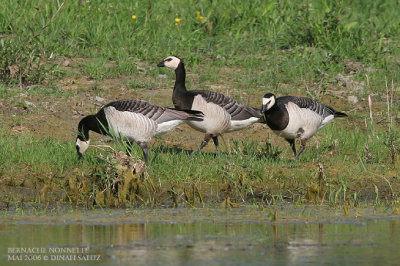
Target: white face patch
[171, 62]
[268, 102]
[81, 146]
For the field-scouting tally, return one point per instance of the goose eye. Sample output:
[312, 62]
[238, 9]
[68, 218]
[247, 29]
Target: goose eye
[169, 59]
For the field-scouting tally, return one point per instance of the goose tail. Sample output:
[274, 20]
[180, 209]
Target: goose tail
[340, 114]
[191, 115]
[194, 115]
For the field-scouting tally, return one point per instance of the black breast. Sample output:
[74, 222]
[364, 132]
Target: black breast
[183, 99]
[277, 117]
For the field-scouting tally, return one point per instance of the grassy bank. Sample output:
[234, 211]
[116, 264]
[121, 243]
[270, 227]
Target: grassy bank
[345, 167]
[59, 62]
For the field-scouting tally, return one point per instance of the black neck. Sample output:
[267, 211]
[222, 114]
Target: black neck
[276, 108]
[180, 78]
[91, 122]
[181, 97]
[277, 117]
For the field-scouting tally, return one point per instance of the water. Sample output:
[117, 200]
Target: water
[219, 238]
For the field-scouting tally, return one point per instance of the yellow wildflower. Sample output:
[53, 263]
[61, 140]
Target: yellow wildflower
[178, 20]
[198, 15]
[133, 17]
[99, 9]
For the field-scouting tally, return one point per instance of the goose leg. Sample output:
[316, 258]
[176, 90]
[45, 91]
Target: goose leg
[207, 138]
[303, 145]
[293, 145]
[215, 139]
[145, 150]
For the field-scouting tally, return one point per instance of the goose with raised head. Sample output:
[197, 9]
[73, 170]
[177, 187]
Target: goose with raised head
[221, 113]
[133, 120]
[296, 117]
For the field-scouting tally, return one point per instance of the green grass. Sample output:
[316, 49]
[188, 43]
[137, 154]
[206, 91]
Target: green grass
[20, 151]
[247, 171]
[290, 41]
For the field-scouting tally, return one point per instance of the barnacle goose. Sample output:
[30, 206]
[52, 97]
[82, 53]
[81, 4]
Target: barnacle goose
[221, 113]
[133, 120]
[296, 117]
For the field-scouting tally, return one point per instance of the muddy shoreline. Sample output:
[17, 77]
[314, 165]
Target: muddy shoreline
[279, 214]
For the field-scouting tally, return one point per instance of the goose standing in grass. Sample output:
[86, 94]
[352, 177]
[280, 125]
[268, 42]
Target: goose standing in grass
[296, 117]
[221, 113]
[133, 120]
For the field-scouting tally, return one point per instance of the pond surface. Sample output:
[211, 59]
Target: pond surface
[201, 237]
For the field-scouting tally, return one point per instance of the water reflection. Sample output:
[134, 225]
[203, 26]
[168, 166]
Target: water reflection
[376, 241]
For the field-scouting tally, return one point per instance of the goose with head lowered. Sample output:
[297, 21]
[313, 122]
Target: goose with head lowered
[221, 113]
[296, 117]
[133, 120]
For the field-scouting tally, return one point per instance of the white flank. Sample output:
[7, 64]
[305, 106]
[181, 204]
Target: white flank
[216, 119]
[168, 126]
[326, 120]
[301, 118]
[240, 124]
[131, 126]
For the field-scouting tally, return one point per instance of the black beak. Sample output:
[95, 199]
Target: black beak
[262, 109]
[161, 64]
